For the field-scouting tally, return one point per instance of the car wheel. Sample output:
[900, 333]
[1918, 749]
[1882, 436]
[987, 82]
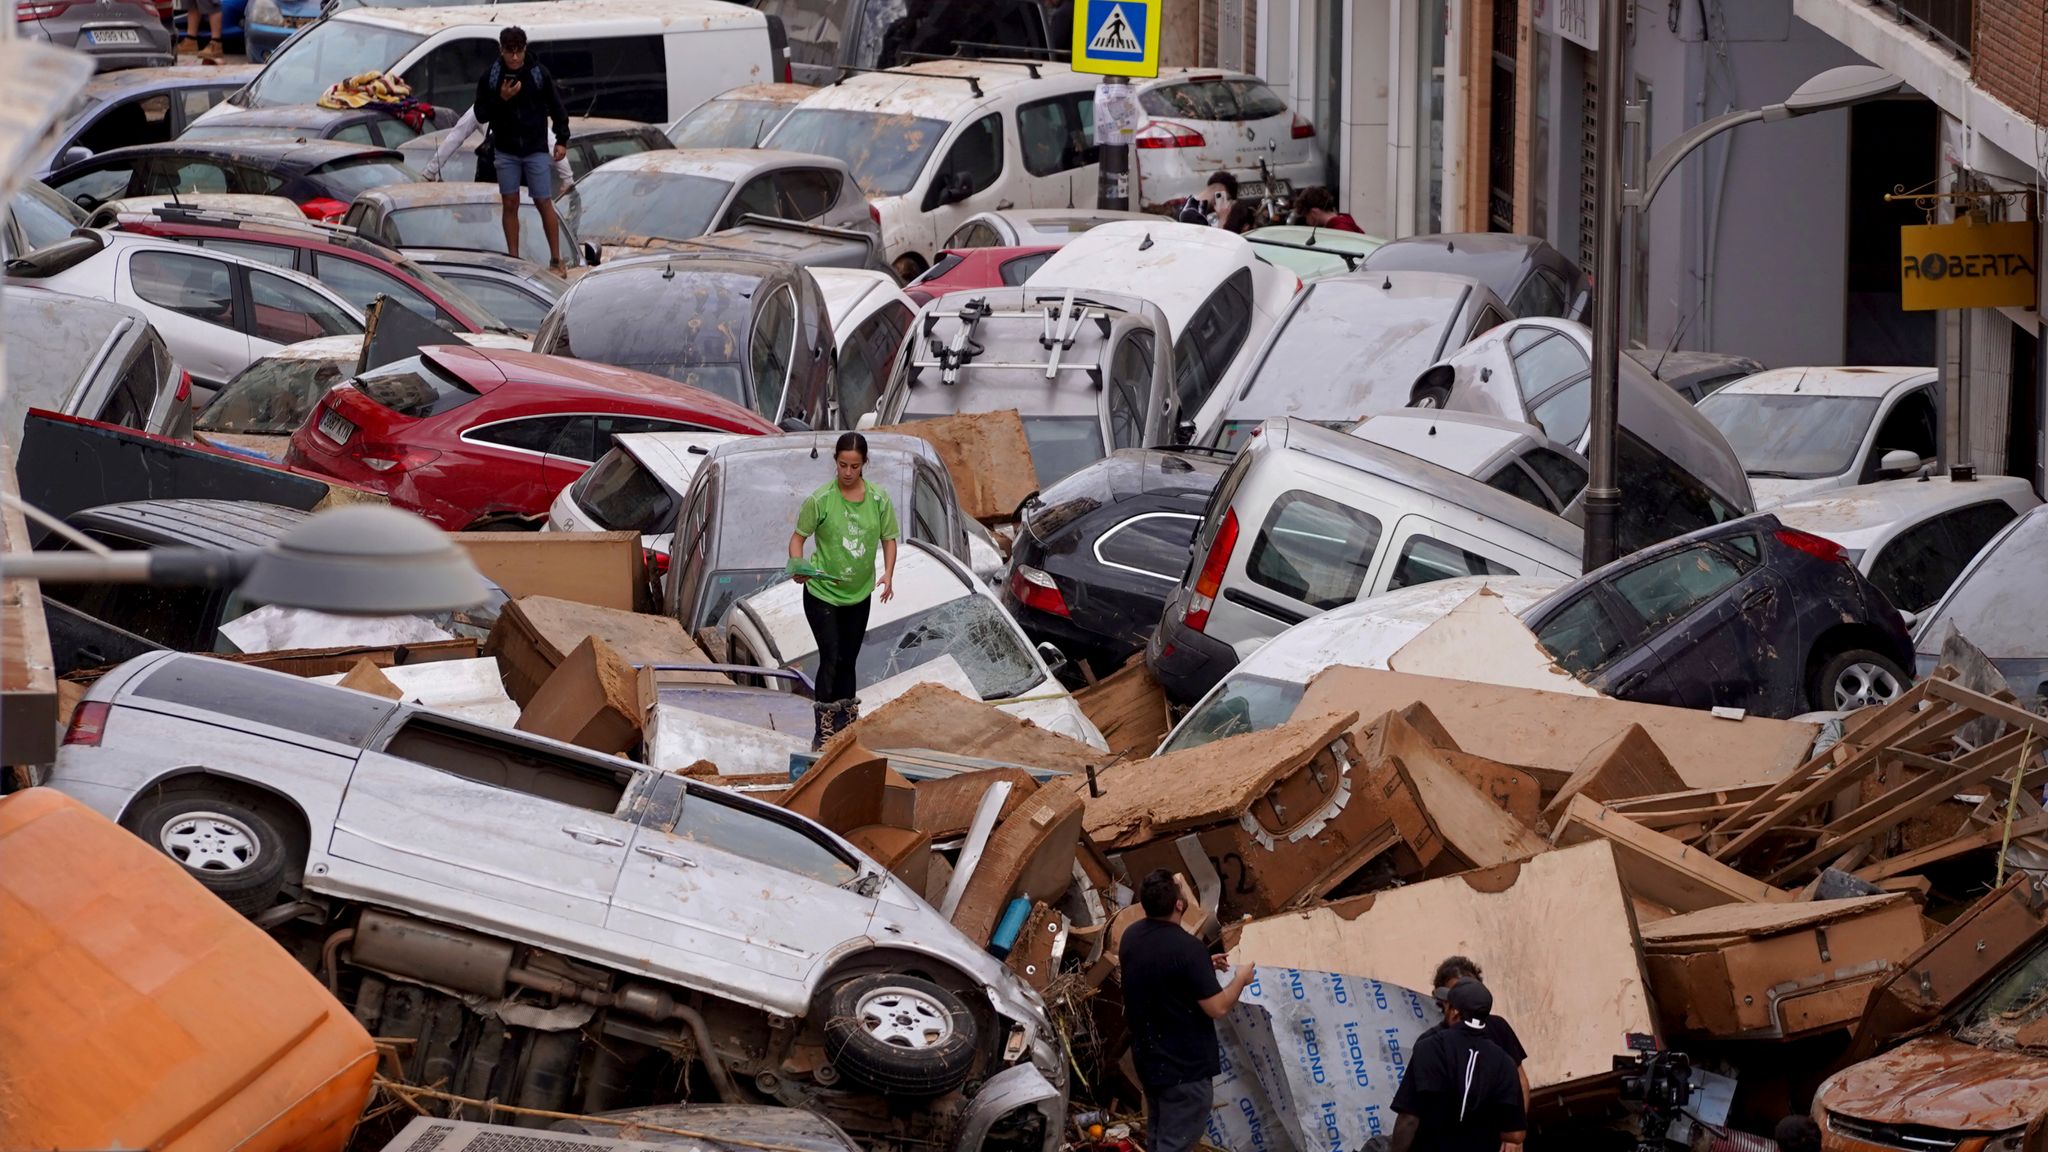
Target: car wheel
[909, 266]
[899, 1034]
[1858, 678]
[234, 852]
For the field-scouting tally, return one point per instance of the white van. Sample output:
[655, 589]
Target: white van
[646, 60]
[1307, 519]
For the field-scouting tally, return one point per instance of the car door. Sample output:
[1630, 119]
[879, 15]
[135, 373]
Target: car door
[808, 194]
[771, 352]
[739, 893]
[163, 175]
[519, 456]
[282, 311]
[190, 297]
[1056, 144]
[1909, 424]
[1593, 636]
[458, 817]
[1711, 618]
[967, 179]
[688, 559]
[1424, 551]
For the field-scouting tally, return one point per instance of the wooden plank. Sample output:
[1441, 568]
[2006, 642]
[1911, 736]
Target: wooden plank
[1470, 824]
[1934, 771]
[1893, 714]
[1659, 868]
[1930, 793]
[1562, 912]
[1885, 870]
[1629, 763]
[28, 672]
[1989, 706]
[1757, 919]
[988, 456]
[1197, 787]
[1128, 708]
[1691, 798]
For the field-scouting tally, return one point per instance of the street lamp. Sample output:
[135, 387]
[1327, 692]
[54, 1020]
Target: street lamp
[358, 560]
[1617, 208]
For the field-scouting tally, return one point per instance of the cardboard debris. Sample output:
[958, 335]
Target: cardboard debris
[604, 569]
[1515, 790]
[336, 661]
[272, 628]
[944, 672]
[466, 688]
[928, 716]
[1551, 731]
[534, 634]
[1657, 868]
[1554, 934]
[858, 797]
[1480, 639]
[945, 806]
[365, 677]
[1129, 708]
[593, 699]
[677, 738]
[1031, 854]
[1777, 970]
[988, 457]
[1628, 764]
[1435, 805]
[1311, 1060]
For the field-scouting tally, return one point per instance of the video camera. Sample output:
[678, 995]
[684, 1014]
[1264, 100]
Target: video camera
[1659, 1081]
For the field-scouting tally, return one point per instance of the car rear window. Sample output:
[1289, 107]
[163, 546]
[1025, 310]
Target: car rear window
[624, 497]
[279, 701]
[344, 179]
[273, 396]
[1213, 98]
[414, 387]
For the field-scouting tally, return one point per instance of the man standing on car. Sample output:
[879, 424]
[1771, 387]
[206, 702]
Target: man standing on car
[1172, 1001]
[518, 101]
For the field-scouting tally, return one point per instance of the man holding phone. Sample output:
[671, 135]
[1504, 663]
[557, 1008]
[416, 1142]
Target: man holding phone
[518, 101]
[1172, 1001]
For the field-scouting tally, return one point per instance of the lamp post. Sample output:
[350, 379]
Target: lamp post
[1617, 208]
[360, 560]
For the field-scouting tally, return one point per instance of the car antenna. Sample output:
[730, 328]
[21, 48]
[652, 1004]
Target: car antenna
[1450, 245]
[1676, 336]
[814, 446]
[1387, 285]
[1147, 244]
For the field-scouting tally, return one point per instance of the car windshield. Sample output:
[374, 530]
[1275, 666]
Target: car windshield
[1791, 437]
[970, 629]
[43, 216]
[272, 396]
[612, 206]
[885, 151]
[328, 51]
[1997, 606]
[2000, 1019]
[475, 227]
[1349, 349]
[728, 124]
[1243, 703]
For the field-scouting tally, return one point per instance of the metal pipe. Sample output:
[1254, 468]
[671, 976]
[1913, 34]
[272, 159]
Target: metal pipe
[330, 959]
[1603, 498]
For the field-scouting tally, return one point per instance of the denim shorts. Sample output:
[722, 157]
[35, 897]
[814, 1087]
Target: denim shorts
[535, 170]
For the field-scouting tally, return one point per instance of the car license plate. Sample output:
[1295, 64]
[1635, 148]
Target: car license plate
[1259, 189]
[336, 427]
[115, 36]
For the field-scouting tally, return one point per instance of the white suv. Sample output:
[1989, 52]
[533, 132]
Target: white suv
[938, 141]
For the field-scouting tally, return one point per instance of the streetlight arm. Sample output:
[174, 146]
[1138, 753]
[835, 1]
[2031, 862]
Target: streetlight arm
[1671, 155]
[197, 567]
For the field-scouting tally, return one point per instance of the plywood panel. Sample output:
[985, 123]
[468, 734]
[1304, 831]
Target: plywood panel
[1564, 912]
[1659, 868]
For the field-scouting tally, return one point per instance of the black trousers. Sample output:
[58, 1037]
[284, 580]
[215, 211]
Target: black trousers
[838, 632]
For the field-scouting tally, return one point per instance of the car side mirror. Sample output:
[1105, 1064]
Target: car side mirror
[1184, 432]
[77, 153]
[793, 424]
[1051, 654]
[1911, 618]
[867, 421]
[950, 188]
[1899, 461]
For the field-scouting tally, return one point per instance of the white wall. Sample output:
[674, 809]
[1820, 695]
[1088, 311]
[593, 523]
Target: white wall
[1367, 173]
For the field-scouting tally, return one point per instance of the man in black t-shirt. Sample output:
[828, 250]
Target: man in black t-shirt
[1172, 1001]
[1459, 1093]
[1449, 974]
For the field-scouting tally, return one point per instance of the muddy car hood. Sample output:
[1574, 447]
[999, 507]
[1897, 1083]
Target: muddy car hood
[1940, 1082]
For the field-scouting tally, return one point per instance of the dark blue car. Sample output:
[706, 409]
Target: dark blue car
[1749, 614]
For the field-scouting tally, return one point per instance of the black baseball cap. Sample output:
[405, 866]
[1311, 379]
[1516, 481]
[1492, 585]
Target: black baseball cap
[1473, 1002]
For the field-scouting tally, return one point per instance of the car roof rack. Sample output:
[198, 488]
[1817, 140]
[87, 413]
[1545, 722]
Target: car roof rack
[1053, 56]
[1060, 318]
[201, 214]
[845, 70]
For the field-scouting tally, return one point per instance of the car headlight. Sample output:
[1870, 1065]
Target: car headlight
[2011, 1140]
[263, 12]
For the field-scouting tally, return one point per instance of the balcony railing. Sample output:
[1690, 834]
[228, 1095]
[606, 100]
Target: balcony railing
[1946, 22]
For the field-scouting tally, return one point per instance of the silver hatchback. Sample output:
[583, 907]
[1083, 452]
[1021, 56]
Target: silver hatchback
[115, 33]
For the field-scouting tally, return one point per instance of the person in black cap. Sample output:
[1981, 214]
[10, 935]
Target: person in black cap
[1459, 1092]
[1449, 974]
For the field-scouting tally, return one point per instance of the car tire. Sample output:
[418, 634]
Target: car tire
[1430, 396]
[899, 1034]
[1857, 678]
[234, 851]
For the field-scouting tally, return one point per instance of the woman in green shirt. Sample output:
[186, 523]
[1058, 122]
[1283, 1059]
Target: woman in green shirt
[852, 520]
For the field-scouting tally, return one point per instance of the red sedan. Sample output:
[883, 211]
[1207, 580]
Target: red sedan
[958, 268]
[484, 438]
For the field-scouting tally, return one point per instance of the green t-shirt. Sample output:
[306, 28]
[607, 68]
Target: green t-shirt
[848, 539]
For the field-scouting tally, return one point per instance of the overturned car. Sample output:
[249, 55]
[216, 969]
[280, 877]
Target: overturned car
[561, 930]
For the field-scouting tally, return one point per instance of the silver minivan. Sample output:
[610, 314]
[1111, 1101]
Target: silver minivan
[1307, 519]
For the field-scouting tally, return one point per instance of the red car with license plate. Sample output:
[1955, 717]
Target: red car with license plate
[484, 438]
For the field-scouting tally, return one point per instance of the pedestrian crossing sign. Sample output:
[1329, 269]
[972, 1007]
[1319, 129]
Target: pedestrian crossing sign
[1117, 37]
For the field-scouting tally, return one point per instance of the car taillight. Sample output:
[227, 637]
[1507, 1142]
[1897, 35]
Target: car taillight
[385, 457]
[324, 209]
[1303, 130]
[1035, 589]
[39, 9]
[184, 393]
[1166, 134]
[874, 213]
[657, 562]
[1819, 547]
[88, 724]
[1210, 581]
